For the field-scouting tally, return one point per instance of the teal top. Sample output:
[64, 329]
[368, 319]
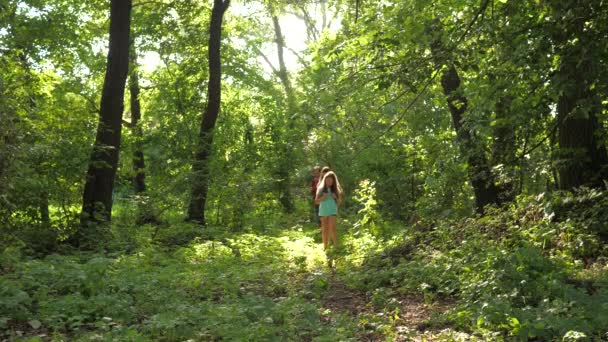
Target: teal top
[328, 206]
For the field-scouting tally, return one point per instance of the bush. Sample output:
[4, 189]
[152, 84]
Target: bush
[514, 272]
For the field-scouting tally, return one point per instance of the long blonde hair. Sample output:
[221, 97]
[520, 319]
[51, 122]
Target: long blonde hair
[335, 188]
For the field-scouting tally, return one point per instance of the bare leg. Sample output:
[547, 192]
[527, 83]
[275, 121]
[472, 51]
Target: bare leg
[332, 230]
[325, 230]
[318, 217]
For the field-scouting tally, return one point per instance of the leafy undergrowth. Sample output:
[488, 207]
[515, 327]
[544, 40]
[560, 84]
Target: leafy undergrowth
[534, 271]
[537, 270]
[247, 287]
[227, 287]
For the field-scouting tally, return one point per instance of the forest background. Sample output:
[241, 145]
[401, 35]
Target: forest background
[155, 161]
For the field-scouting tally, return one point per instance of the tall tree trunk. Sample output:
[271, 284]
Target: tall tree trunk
[582, 154]
[97, 197]
[249, 156]
[503, 148]
[479, 170]
[146, 210]
[44, 207]
[583, 157]
[282, 72]
[139, 166]
[200, 165]
[285, 150]
[413, 183]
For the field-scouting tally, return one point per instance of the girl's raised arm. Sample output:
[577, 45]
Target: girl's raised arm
[320, 196]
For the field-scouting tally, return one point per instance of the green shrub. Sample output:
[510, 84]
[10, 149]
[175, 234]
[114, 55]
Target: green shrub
[14, 302]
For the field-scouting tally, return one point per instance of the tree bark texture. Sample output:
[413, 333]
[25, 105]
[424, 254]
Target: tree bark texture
[97, 197]
[480, 174]
[582, 157]
[146, 212]
[200, 165]
[286, 156]
[139, 165]
[503, 148]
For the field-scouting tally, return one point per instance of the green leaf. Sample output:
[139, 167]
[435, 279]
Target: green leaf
[34, 323]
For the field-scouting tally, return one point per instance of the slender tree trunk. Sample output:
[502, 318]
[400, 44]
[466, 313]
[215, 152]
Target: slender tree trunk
[146, 210]
[44, 207]
[413, 183]
[479, 170]
[242, 207]
[97, 197]
[503, 149]
[200, 165]
[522, 167]
[139, 166]
[286, 154]
[282, 72]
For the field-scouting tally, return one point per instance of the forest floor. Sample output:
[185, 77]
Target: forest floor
[242, 286]
[409, 325]
[489, 279]
[515, 274]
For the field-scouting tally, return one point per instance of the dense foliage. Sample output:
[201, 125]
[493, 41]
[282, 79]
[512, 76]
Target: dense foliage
[470, 139]
[515, 273]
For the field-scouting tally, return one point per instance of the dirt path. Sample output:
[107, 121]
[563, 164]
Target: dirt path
[339, 298]
[410, 323]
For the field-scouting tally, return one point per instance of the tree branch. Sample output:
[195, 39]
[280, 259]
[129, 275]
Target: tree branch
[298, 56]
[274, 70]
[482, 10]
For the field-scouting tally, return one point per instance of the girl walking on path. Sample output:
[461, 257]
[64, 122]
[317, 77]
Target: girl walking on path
[329, 198]
[318, 174]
